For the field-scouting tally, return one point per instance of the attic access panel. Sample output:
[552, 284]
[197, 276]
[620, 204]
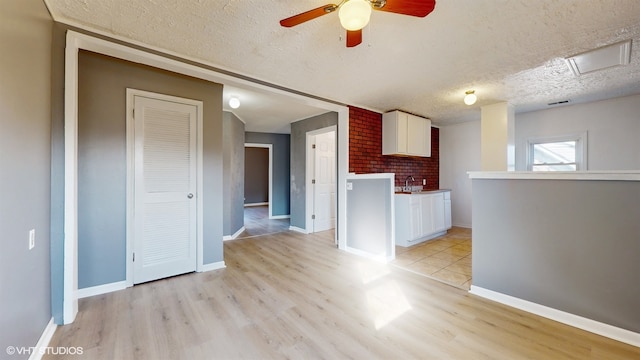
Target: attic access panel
[601, 58]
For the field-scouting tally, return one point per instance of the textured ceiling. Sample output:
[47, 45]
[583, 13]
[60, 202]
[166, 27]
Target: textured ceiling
[266, 112]
[507, 50]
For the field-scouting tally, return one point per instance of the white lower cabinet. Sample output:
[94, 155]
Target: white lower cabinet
[425, 216]
[420, 217]
[415, 218]
[447, 210]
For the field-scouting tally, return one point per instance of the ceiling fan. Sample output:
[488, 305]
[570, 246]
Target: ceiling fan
[354, 14]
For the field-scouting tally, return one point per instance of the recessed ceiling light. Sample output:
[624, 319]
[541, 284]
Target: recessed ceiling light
[234, 103]
[601, 58]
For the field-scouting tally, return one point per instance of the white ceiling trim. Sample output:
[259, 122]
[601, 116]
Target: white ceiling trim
[234, 78]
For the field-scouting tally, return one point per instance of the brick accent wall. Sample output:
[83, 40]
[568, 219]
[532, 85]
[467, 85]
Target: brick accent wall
[365, 152]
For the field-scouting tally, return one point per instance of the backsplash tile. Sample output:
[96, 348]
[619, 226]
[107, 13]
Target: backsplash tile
[365, 152]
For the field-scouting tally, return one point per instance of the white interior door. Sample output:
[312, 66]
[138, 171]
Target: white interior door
[165, 164]
[324, 192]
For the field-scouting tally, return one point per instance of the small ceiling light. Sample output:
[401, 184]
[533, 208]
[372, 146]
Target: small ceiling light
[470, 97]
[234, 102]
[354, 14]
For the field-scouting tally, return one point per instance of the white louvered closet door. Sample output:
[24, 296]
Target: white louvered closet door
[165, 189]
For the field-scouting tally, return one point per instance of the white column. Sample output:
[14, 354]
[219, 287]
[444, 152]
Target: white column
[497, 136]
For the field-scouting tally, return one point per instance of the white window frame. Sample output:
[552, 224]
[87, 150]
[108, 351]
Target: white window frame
[581, 148]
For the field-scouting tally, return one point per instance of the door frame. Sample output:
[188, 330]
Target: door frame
[76, 41]
[270, 148]
[131, 142]
[310, 171]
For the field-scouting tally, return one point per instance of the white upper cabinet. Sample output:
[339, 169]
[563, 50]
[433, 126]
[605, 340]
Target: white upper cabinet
[405, 134]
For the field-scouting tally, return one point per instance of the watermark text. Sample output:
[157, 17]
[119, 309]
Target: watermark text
[48, 350]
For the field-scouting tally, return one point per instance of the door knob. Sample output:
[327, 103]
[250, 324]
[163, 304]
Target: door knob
[190, 195]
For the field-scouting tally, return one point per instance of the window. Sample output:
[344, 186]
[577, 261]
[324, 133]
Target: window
[559, 153]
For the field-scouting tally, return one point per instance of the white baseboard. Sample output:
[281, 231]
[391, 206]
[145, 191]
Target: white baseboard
[231, 237]
[44, 340]
[101, 289]
[297, 229]
[280, 217]
[358, 252]
[467, 226]
[596, 327]
[213, 266]
[256, 204]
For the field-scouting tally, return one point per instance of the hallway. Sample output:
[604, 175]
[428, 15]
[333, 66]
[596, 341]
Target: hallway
[257, 222]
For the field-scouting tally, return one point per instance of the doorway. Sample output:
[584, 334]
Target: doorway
[321, 179]
[258, 175]
[162, 185]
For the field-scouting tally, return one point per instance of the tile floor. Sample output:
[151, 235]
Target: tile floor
[446, 258]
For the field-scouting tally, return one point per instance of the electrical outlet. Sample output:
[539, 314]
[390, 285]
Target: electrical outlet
[424, 181]
[32, 238]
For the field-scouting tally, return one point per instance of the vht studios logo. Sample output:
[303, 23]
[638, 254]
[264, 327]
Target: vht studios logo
[60, 350]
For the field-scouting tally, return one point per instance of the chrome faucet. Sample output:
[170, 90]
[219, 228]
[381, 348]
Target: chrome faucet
[406, 183]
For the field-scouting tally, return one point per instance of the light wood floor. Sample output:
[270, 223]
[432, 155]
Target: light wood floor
[257, 222]
[296, 296]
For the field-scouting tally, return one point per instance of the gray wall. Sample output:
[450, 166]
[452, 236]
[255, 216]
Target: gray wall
[102, 160]
[281, 168]
[256, 173]
[233, 173]
[369, 214]
[57, 172]
[299, 131]
[612, 128]
[569, 245]
[25, 160]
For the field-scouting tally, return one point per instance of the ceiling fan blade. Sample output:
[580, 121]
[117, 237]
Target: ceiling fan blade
[354, 38]
[419, 8]
[308, 15]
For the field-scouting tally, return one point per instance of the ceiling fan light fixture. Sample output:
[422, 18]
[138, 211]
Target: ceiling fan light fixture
[470, 97]
[234, 102]
[354, 14]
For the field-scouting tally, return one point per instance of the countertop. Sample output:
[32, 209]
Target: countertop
[624, 175]
[422, 192]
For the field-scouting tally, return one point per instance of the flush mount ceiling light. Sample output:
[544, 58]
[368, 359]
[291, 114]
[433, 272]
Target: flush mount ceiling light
[234, 102]
[470, 97]
[601, 58]
[354, 14]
